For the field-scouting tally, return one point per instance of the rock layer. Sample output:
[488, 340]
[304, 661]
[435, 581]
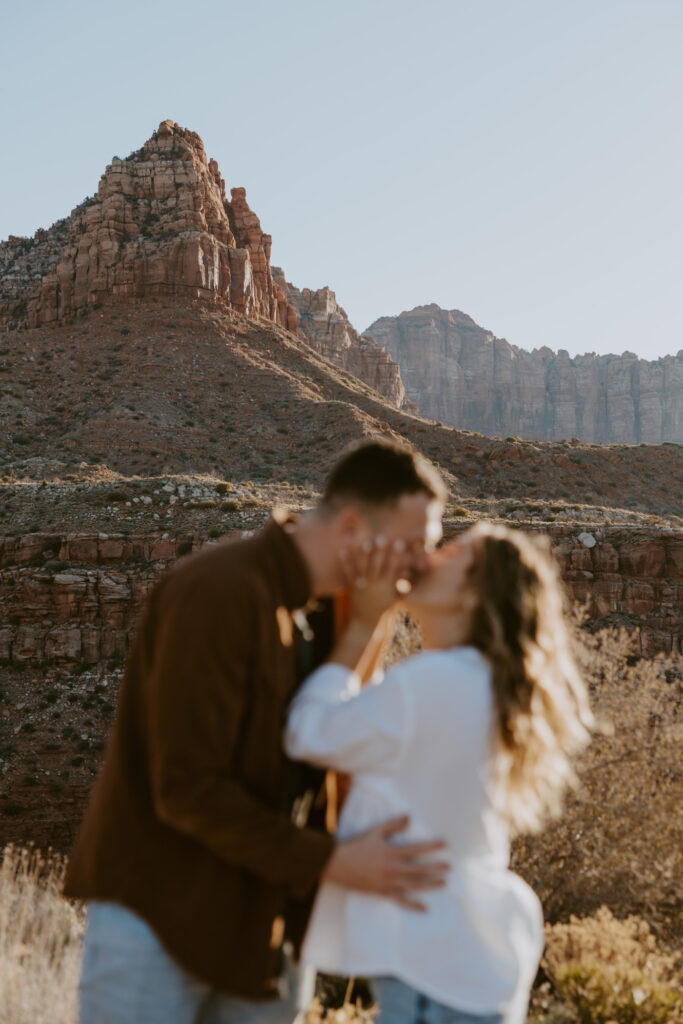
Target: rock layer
[84, 607]
[325, 326]
[458, 373]
[160, 224]
[71, 619]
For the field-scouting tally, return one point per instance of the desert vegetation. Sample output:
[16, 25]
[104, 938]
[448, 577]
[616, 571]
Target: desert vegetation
[40, 941]
[608, 873]
[620, 842]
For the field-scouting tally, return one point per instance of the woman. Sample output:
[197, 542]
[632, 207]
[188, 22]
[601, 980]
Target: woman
[471, 739]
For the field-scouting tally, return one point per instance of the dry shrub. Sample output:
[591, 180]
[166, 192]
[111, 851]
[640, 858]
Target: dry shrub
[346, 1014]
[620, 840]
[40, 941]
[605, 971]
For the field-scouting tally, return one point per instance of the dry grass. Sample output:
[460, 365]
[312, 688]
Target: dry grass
[620, 841]
[346, 1014]
[40, 941]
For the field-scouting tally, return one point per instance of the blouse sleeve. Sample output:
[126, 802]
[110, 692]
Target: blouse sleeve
[334, 723]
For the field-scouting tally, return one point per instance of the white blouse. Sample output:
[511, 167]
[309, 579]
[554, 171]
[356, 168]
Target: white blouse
[419, 742]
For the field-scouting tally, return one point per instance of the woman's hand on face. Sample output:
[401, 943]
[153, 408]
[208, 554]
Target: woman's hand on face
[371, 570]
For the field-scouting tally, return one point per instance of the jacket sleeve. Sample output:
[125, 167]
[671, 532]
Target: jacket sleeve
[333, 722]
[198, 685]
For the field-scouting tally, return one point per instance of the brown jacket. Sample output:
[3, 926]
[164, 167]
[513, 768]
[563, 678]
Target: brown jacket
[189, 824]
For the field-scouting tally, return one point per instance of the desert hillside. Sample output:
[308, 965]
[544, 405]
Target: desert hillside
[150, 385]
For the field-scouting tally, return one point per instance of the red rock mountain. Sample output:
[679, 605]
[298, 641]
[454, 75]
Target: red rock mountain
[458, 373]
[159, 225]
[324, 324]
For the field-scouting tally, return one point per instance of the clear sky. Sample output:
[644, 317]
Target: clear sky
[520, 160]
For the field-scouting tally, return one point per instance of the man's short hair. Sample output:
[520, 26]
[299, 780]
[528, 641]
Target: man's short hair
[379, 472]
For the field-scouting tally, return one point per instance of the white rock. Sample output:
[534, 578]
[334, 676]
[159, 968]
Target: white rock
[69, 579]
[588, 540]
[146, 500]
[169, 488]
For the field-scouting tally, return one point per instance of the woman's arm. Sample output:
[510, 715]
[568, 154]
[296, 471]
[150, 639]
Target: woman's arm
[335, 724]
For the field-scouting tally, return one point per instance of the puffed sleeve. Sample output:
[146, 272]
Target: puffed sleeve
[335, 723]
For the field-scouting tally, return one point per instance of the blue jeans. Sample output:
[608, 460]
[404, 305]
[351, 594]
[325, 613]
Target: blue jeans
[129, 978]
[401, 1004]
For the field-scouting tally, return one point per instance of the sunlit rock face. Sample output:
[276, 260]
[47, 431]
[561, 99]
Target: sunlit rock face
[325, 326]
[457, 372]
[160, 224]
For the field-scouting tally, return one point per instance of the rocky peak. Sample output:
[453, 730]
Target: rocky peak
[324, 325]
[160, 224]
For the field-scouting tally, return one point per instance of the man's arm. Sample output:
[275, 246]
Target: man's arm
[197, 698]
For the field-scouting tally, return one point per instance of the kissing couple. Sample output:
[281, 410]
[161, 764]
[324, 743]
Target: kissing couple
[216, 839]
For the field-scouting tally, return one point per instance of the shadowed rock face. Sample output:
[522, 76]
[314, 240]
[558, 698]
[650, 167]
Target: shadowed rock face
[160, 224]
[325, 326]
[460, 374]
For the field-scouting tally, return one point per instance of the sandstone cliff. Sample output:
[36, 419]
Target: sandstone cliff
[83, 606]
[325, 326]
[458, 373]
[160, 224]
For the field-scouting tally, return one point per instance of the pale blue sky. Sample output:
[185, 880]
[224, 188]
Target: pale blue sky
[520, 160]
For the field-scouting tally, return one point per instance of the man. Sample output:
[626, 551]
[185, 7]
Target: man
[189, 854]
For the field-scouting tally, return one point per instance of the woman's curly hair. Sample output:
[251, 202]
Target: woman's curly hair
[543, 716]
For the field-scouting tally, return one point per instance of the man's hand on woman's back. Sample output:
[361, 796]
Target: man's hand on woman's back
[371, 863]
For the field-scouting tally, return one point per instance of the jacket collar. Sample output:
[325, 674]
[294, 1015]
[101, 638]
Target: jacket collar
[286, 562]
